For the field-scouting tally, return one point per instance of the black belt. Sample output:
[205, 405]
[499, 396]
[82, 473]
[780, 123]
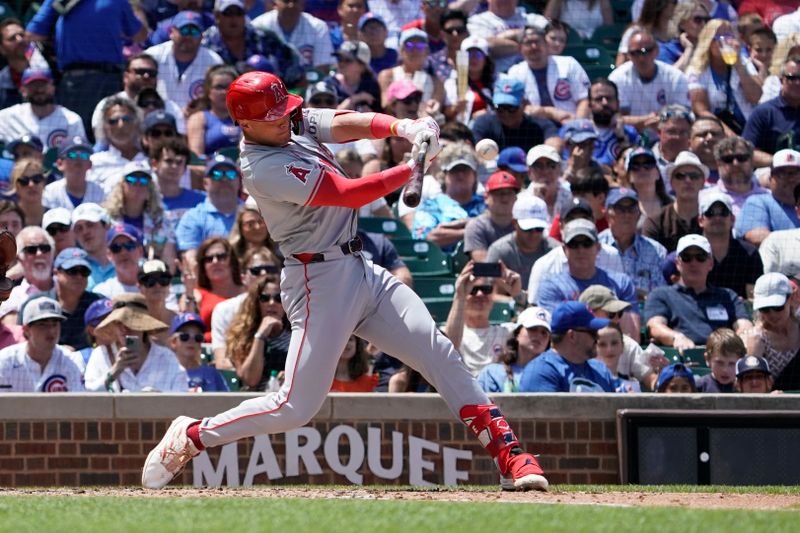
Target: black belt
[350, 247]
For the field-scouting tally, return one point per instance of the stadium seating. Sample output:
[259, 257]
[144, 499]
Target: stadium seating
[230, 377]
[607, 36]
[423, 258]
[434, 287]
[392, 228]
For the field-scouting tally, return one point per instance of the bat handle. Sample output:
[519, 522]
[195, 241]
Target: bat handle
[413, 191]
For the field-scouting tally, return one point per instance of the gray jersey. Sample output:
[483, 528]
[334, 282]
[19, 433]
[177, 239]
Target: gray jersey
[284, 180]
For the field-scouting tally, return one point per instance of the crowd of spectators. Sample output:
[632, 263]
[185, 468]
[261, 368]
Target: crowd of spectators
[637, 227]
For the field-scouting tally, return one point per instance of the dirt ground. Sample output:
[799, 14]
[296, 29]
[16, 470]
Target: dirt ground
[634, 499]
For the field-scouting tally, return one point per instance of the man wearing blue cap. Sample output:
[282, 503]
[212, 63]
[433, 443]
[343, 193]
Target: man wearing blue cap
[182, 62]
[216, 215]
[509, 125]
[641, 256]
[72, 270]
[125, 250]
[39, 115]
[512, 160]
[570, 365]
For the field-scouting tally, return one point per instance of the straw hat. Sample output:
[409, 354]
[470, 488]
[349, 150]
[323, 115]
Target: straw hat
[130, 310]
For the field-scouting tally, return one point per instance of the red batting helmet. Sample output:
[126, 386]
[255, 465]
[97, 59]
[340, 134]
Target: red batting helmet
[260, 96]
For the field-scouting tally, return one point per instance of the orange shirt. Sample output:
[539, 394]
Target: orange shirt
[364, 383]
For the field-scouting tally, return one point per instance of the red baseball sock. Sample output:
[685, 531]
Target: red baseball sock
[193, 432]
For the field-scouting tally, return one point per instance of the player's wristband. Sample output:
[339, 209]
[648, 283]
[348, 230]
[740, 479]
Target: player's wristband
[383, 126]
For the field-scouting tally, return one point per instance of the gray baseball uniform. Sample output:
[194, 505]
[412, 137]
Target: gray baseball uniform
[326, 301]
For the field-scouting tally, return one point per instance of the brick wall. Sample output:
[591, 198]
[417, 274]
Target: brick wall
[73, 440]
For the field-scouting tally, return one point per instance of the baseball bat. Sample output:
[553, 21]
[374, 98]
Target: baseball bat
[413, 190]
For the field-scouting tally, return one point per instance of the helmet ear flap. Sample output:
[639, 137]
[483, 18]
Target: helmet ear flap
[296, 118]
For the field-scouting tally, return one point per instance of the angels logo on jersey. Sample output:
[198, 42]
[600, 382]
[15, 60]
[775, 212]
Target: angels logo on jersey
[299, 172]
[55, 383]
[563, 90]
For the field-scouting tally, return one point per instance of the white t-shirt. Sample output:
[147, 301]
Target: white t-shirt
[221, 318]
[636, 98]
[576, 13]
[717, 96]
[19, 120]
[182, 88]
[786, 24]
[107, 167]
[112, 287]
[555, 262]
[20, 373]
[483, 346]
[311, 37]
[160, 372]
[771, 88]
[396, 14]
[567, 82]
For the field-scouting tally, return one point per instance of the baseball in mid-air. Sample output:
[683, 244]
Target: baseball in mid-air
[487, 149]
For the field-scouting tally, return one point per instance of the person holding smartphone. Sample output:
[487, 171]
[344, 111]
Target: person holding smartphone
[133, 362]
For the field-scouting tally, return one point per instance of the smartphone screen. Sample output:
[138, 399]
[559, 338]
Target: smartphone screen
[133, 343]
[488, 270]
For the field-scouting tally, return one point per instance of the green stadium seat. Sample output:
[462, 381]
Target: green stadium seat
[230, 377]
[458, 259]
[608, 36]
[6, 11]
[423, 258]
[435, 287]
[694, 358]
[573, 37]
[206, 353]
[671, 354]
[392, 228]
[413, 248]
[591, 55]
[231, 152]
[622, 10]
[50, 156]
[439, 308]
[501, 312]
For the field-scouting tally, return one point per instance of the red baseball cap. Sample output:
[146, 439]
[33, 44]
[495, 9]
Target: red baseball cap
[501, 180]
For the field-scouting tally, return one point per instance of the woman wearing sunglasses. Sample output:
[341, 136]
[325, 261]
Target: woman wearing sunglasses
[217, 279]
[250, 232]
[210, 128]
[154, 280]
[776, 335]
[27, 187]
[687, 22]
[480, 81]
[641, 174]
[135, 200]
[414, 52]
[258, 338]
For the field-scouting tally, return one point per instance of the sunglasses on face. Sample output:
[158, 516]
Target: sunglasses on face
[186, 337]
[700, 20]
[258, 270]
[574, 244]
[323, 102]
[158, 133]
[457, 30]
[78, 154]
[116, 248]
[717, 212]
[124, 119]
[636, 166]
[150, 280]
[533, 230]
[55, 229]
[730, 158]
[33, 249]
[641, 52]
[785, 173]
[78, 271]
[150, 103]
[694, 176]
[221, 257]
[700, 257]
[145, 72]
[476, 54]
[190, 31]
[415, 45]
[773, 309]
[615, 316]
[36, 179]
[588, 331]
[219, 175]
[791, 77]
[411, 100]
[137, 179]
[485, 289]
[267, 298]
[505, 108]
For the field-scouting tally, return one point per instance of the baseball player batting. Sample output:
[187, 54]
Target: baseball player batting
[328, 288]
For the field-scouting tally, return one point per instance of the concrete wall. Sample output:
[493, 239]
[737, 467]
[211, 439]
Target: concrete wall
[101, 439]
